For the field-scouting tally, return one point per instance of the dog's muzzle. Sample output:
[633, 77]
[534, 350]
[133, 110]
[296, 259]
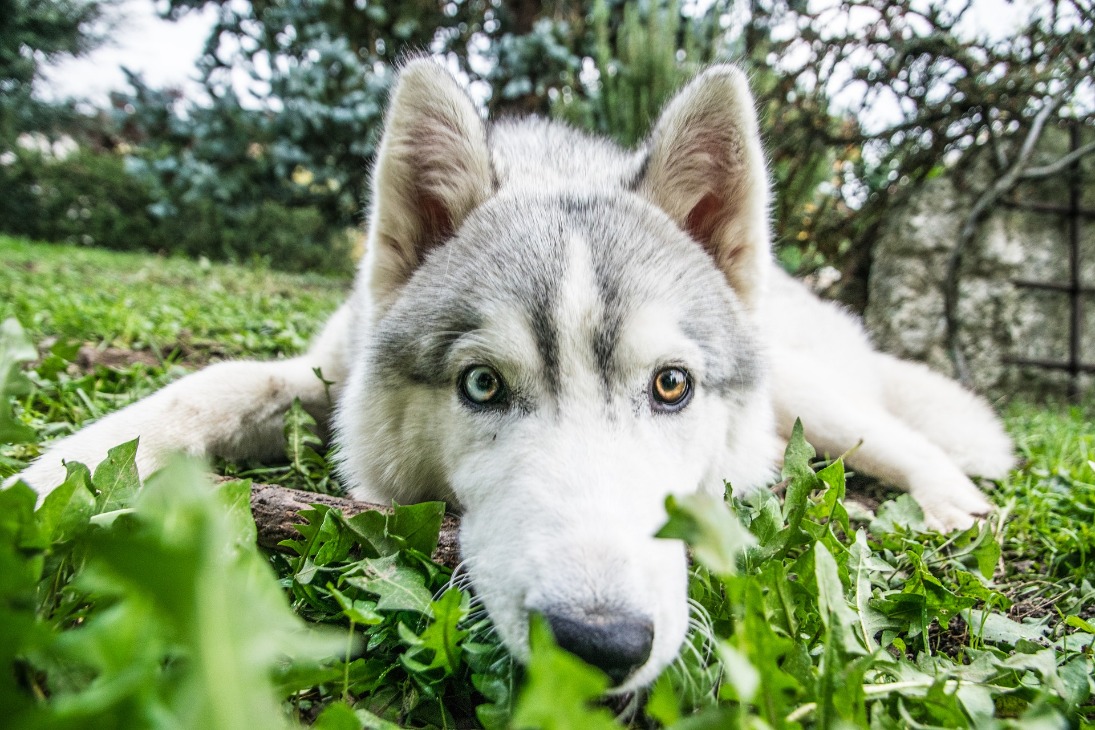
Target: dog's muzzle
[617, 644]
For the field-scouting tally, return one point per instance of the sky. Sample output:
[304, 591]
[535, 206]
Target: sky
[165, 51]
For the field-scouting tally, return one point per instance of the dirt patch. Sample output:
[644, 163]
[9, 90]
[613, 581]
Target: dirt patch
[951, 639]
[869, 493]
[181, 352]
[90, 357]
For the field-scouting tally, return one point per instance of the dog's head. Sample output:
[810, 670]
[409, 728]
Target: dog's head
[559, 334]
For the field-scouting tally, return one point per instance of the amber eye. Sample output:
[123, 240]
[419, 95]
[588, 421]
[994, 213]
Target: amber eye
[670, 390]
[482, 385]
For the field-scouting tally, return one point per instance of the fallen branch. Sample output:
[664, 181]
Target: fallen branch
[277, 509]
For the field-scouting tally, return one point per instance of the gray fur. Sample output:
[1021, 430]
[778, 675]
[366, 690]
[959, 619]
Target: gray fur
[510, 251]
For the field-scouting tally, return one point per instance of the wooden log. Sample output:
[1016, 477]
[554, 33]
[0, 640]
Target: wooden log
[277, 509]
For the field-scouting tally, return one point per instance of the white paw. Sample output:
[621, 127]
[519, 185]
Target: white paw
[956, 505]
[993, 461]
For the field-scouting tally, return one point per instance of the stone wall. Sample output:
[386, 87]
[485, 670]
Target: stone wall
[998, 319]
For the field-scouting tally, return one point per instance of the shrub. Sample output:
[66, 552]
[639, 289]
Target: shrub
[90, 198]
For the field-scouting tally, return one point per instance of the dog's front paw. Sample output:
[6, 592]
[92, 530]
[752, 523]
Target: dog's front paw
[956, 505]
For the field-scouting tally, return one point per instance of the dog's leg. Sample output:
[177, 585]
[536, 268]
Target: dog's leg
[232, 409]
[959, 422]
[890, 450]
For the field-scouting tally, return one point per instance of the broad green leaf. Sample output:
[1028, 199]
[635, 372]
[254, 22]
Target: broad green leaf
[1078, 623]
[185, 584]
[801, 481]
[766, 521]
[706, 523]
[902, 513]
[987, 552]
[337, 716]
[560, 688]
[417, 525]
[833, 608]
[831, 505]
[398, 585]
[996, 628]
[797, 455]
[444, 635]
[301, 440]
[358, 611]
[333, 541]
[116, 478]
[1077, 680]
[870, 621]
[15, 348]
[413, 526]
[662, 704]
[20, 569]
[235, 496]
[740, 672]
[66, 510]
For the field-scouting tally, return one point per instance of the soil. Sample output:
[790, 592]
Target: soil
[181, 352]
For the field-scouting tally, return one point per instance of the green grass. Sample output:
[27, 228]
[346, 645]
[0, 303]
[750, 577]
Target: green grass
[124, 607]
[173, 312]
[1049, 540]
[160, 303]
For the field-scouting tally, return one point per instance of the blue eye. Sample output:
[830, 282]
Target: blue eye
[482, 385]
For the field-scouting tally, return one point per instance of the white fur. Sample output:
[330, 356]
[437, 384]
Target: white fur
[902, 422]
[561, 500]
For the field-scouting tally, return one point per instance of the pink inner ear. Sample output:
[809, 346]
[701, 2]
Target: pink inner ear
[704, 218]
[436, 221]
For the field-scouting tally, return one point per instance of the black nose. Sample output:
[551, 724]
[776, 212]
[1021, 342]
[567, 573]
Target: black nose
[617, 644]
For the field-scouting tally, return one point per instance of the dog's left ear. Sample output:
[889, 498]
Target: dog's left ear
[706, 170]
[433, 168]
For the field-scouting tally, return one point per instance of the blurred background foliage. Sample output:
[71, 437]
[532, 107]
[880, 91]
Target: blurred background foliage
[860, 100]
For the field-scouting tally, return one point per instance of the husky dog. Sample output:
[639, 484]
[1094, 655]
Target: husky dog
[552, 334]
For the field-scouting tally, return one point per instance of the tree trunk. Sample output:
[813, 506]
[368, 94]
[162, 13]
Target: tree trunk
[277, 509]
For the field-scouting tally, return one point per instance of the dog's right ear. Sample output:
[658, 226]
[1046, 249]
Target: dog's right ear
[704, 167]
[433, 168]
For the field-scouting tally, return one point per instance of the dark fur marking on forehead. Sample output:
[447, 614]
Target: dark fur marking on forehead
[547, 341]
[640, 173]
[707, 313]
[607, 332]
[584, 215]
[541, 310]
[422, 359]
[492, 164]
[733, 364]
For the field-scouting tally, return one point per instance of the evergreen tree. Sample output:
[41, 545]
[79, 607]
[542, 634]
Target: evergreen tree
[32, 34]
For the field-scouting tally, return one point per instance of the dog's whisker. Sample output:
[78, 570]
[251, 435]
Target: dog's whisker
[678, 670]
[688, 676]
[696, 610]
[476, 612]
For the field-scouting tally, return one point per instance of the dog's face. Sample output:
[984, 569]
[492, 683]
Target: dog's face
[555, 362]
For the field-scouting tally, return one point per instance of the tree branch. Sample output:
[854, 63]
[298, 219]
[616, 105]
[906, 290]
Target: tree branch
[277, 509]
[1036, 173]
